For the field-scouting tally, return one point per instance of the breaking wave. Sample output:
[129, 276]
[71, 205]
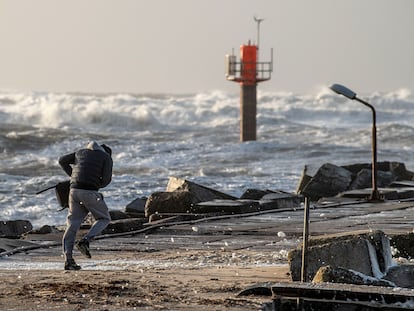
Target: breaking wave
[195, 136]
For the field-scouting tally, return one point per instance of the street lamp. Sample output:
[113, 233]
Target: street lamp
[342, 90]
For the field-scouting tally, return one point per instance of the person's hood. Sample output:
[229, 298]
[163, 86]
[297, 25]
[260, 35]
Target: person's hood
[93, 145]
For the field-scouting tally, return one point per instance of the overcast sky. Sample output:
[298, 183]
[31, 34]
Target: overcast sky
[179, 46]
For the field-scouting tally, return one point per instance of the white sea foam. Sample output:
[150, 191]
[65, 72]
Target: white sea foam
[194, 136]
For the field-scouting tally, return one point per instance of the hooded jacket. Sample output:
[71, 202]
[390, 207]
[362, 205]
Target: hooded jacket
[89, 168]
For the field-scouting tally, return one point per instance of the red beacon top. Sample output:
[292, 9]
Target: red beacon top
[248, 71]
[248, 59]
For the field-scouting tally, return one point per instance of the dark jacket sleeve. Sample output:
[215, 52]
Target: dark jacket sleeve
[66, 161]
[106, 172]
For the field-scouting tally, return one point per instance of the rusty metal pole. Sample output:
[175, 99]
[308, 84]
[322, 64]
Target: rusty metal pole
[304, 270]
[375, 195]
[248, 104]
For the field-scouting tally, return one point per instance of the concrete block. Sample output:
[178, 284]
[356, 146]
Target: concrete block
[368, 253]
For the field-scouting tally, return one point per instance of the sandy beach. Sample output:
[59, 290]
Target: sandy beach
[145, 280]
[142, 288]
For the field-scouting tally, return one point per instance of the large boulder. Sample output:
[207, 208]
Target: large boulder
[363, 179]
[400, 172]
[180, 197]
[14, 228]
[331, 180]
[46, 229]
[328, 181]
[397, 169]
[201, 193]
[175, 202]
[136, 207]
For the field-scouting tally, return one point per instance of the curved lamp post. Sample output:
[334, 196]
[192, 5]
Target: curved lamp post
[342, 90]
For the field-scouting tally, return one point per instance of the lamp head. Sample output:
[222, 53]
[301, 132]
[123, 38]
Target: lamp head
[342, 90]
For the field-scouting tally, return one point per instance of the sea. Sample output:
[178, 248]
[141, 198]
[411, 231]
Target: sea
[191, 136]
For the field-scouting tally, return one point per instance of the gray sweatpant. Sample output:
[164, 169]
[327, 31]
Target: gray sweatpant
[81, 202]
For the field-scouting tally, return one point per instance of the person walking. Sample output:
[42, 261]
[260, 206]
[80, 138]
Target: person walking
[90, 169]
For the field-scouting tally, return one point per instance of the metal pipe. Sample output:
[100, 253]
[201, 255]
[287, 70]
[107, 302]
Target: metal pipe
[304, 270]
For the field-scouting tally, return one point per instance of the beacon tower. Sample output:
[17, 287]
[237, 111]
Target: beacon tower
[248, 72]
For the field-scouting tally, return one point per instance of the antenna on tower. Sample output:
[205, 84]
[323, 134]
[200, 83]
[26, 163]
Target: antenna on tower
[258, 21]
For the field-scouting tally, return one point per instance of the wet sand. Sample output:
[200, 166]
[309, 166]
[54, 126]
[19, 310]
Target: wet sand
[141, 288]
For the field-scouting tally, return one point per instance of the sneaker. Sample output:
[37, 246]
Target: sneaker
[71, 265]
[83, 247]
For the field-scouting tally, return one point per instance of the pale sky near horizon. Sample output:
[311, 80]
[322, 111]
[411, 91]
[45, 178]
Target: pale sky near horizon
[178, 46]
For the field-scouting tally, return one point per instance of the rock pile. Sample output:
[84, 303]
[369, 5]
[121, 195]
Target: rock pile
[182, 200]
[184, 197]
[331, 180]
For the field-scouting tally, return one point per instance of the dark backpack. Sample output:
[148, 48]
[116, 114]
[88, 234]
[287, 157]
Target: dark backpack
[62, 193]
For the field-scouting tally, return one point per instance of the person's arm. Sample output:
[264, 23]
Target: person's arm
[66, 161]
[107, 172]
